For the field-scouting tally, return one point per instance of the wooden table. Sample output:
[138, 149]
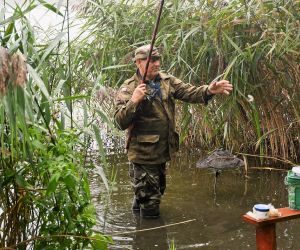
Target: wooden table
[266, 229]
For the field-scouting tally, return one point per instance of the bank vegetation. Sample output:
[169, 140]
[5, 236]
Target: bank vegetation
[44, 83]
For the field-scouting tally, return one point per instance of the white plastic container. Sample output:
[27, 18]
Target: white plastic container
[261, 211]
[296, 170]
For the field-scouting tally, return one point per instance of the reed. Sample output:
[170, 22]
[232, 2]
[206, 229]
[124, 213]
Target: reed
[43, 165]
[254, 44]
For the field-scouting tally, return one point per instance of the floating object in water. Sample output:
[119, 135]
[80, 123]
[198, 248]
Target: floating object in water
[220, 159]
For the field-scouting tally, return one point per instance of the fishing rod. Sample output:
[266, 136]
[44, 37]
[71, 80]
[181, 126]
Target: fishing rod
[153, 39]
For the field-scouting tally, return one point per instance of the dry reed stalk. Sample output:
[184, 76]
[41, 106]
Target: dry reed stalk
[19, 69]
[4, 70]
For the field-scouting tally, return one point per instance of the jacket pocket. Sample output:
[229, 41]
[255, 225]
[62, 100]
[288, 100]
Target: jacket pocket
[148, 138]
[145, 149]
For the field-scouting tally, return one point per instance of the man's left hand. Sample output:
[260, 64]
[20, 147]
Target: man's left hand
[221, 87]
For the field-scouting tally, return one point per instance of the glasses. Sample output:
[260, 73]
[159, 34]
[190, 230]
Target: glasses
[152, 59]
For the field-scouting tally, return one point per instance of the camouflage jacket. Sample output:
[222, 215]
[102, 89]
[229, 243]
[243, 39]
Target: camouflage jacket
[153, 136]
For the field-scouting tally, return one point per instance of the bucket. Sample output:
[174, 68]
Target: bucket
[261, 211]
[292, 180]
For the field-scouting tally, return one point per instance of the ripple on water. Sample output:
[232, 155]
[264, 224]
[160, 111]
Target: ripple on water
[191, 194]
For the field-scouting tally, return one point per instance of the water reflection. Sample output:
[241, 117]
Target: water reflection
[190, 194]
[148, 239]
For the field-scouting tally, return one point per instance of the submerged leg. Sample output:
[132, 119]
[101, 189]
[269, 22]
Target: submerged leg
[148, 187]
[135, 206]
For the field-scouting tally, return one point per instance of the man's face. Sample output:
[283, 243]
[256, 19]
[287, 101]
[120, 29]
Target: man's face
[153, 69]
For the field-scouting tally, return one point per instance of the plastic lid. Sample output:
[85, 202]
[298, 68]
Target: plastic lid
[296, 170]
[262, 207]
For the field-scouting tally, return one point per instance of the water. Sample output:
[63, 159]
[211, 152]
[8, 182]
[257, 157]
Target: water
[216, 211]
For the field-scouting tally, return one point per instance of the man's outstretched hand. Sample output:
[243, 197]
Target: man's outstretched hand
[221, 87]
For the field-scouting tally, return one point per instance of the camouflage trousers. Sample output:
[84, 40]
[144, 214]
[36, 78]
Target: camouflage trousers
[149, 183]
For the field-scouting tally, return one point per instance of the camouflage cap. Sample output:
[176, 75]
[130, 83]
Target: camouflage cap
[143, 52]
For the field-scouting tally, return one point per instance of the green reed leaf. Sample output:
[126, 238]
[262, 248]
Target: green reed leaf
[39, 82]
[50, 7]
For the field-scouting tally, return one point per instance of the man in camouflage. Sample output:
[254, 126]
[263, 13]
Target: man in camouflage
[147, 110]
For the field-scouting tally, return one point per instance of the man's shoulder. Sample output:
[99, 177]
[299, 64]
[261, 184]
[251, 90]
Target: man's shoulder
[128, 86]
[164, 75]
[129, 81]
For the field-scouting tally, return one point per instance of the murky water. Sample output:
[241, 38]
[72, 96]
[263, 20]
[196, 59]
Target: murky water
[195, 214]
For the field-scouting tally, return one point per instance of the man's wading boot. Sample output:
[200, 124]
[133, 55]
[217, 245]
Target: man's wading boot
[135, 205]
[151, 213]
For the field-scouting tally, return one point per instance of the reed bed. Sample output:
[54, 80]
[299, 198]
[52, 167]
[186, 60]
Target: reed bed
[254, 44]
[45, 200]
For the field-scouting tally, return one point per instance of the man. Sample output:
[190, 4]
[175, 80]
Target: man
[148, 111]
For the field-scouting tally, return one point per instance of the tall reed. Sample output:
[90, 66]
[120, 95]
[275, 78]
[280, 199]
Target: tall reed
[45, 198]
[254, 44]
